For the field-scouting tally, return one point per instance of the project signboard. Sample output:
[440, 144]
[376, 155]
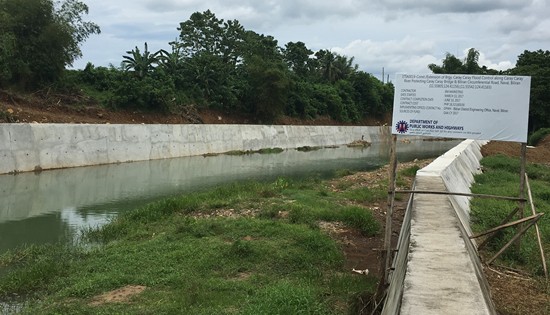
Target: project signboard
[482, 107]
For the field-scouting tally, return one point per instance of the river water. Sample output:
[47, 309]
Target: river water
[53, 206]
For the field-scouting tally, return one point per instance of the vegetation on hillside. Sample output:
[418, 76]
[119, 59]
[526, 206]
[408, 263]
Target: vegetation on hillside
[219, 64]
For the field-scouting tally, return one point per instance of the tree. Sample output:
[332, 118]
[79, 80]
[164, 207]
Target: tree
[39, 41]
[537, 65]
[539, 58]
[211, 48]
[140, 63]
[326, 62]
[451, 65]
[70, 16]
[267, 91]
[205, 33]
[7, 48]
[471, 62]
[265, 76]
[334, 67]
[470, 65]
[297, 57]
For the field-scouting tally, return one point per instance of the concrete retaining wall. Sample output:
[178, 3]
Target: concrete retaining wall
[28, 147]
[437, 269]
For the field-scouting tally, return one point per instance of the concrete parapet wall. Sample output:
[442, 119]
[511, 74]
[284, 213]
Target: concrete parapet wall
[28, 147]
[437, 269]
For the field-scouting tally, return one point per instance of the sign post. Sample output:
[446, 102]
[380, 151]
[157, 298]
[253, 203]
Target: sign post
[476, 107]
[463, 106]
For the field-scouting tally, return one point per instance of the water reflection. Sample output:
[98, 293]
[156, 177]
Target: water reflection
[54, 205]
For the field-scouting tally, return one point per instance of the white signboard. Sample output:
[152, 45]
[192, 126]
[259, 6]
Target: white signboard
[482, 107]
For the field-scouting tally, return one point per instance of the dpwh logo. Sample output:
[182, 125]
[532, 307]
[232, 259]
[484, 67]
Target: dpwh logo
[402, 126]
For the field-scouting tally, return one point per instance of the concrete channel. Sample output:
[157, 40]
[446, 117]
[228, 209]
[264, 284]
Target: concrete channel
[437, 269]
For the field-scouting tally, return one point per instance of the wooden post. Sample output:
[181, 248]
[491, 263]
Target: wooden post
[389, 211]
[521, 205]
[536, 227]
[507, 225]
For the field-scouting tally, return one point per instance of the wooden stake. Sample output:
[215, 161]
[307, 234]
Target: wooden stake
[507, 225]
[518, 235]
[536, 227]
[436, 192]
[389, 212]
[522, 188]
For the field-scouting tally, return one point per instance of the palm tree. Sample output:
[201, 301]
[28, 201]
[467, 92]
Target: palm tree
[171, 62]
[333, 66]
[140, 63]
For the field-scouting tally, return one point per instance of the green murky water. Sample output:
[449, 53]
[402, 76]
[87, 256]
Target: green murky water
[55, 205]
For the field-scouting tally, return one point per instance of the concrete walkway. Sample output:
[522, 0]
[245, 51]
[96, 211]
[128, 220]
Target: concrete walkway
[441, 277]
[437, 269]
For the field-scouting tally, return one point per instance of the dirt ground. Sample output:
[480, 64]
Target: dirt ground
[513, 292]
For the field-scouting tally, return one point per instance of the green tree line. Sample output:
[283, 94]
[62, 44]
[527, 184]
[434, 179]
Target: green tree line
[219, 64]
[216, 63]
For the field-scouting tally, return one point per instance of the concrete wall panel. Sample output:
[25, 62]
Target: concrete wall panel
[26, 147]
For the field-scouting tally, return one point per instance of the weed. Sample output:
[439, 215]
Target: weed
[367, 195]
[281, 183]
[410, 171]
[362, 219]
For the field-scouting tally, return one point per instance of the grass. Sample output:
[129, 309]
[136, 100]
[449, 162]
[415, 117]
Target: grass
[278, 262]
[501, 177]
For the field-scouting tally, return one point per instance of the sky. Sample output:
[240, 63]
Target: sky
[399, 36]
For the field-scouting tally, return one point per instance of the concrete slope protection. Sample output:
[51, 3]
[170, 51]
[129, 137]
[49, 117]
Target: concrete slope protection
[437, 269]
[28, 147]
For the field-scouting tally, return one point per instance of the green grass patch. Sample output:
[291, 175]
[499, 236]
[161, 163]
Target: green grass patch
[368, 195]
[409, 171]
[192, 264]
[501, 177]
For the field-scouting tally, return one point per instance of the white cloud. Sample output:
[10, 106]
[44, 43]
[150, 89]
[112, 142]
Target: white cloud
[399, 35]
[409, 54]
[442, 6]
